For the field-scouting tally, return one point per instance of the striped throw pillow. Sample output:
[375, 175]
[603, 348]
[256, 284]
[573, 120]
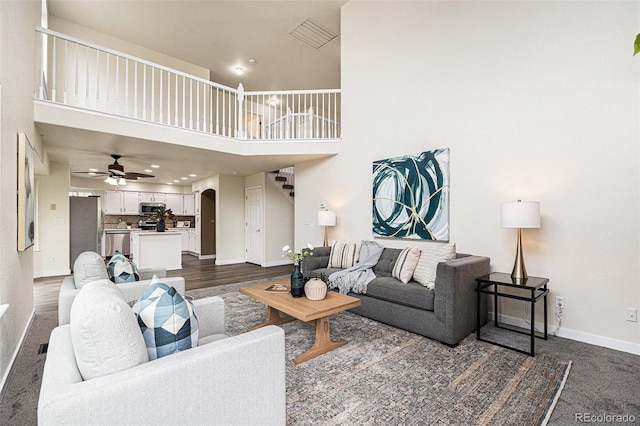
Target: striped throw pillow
[406, 264]
[344, 255]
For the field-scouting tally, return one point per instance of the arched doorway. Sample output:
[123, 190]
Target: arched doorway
[208, 223]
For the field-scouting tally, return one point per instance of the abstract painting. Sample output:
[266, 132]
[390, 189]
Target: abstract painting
[26, 196]
[411, 196]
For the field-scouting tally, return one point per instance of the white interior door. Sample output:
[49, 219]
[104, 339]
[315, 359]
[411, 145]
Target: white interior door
[253, 225]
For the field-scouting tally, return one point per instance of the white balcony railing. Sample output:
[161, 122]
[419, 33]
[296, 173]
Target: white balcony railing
[83, 75]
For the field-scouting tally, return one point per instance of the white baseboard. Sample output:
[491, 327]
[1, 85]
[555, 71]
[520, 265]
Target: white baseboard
[579, 336]
[52, 273]
[206, 256]
[15, 354]
[229, 261]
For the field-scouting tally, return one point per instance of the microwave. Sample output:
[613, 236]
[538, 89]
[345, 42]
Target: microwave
[150, 209]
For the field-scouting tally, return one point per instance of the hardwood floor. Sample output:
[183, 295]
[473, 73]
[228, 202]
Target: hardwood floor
[197, 274]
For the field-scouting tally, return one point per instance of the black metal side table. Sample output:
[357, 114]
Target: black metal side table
[533, 288]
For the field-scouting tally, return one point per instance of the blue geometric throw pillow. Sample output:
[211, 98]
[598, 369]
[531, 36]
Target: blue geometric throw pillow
[121, 270]
[167, 321]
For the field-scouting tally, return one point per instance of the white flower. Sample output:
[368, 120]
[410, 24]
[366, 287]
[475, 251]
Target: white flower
[309, 246]
[285, 248]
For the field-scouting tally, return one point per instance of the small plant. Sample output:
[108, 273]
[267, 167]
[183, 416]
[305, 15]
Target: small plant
[163, 214]
[636, 45]
[297, 257]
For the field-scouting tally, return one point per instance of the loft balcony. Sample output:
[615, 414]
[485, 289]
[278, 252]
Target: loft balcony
[86, 86]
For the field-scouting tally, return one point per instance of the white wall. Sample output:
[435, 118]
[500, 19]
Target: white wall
[536, 100]
[18, 82]
[230, 220]
[104, 40]
[229, 216]
[52, 255]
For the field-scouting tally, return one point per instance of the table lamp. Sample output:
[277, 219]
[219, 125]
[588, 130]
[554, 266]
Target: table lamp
[523, 214]
[326, 218]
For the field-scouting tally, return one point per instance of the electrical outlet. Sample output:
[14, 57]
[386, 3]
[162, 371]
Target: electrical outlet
[631, 315]
[559, 302]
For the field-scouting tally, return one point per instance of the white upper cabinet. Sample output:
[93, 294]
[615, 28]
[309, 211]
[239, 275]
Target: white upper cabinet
[112, 202]
[189, 204]
[175, 203]
[121, 202]
[152, 197]
[130, 203]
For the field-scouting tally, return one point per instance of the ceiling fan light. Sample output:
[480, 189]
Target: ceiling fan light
[122, 181]
[111, 181]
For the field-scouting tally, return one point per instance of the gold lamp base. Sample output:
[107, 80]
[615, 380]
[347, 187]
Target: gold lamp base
[519, 273]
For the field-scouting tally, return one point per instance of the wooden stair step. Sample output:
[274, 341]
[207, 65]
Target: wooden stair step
[281, 178]
[287, 186]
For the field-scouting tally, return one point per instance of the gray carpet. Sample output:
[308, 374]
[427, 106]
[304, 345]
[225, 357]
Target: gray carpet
[385, 375]
[602, 381]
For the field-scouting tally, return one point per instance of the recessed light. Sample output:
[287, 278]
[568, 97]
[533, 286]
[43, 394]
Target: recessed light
[192, 175]
[93, 170]
[252, 61]
[91, 174]
[155, 166]
[239, 70]
[236, 172]
[148, 170]
[183, 178]
[169, 183]
[176, 181]
[273, 101]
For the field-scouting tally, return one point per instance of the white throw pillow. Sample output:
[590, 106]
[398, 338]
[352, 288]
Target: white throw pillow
[344, 255]
[406, 264]
[88, 267]
[430, 256]
[104, 331]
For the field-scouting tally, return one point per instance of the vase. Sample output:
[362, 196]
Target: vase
[315, 289]
[160, 227]
[297, 283]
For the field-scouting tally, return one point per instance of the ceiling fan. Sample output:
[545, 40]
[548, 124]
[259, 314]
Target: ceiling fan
[115, 173]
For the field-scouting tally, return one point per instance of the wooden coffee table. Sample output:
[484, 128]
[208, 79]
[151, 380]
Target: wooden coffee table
[305, 310]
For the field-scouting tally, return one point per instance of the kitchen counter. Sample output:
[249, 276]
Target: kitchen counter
[152, 249]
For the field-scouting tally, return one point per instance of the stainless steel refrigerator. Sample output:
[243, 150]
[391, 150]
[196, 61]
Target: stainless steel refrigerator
[86, 226]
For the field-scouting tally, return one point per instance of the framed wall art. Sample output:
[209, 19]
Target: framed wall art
[411, 196]
[26, 196]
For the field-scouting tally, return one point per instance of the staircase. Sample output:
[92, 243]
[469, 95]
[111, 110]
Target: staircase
[284, 178]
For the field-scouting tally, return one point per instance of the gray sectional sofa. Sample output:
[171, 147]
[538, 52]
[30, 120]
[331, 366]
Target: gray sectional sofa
[447, 313]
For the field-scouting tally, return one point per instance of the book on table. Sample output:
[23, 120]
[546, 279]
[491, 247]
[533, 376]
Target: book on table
[277, 288]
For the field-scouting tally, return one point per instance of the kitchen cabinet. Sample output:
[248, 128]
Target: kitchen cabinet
[130, 203]
[193, 242]
[189, 204]
[184, 241]
[175, 203]
[121, 202]
[152, 197]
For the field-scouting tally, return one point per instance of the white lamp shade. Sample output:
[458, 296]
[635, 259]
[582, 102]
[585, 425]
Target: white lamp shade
[326, 218]
[523, 214]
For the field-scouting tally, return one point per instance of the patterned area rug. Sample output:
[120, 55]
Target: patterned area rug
[385, 375]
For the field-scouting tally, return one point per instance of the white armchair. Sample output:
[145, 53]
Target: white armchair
[89, 266]
[238, 380]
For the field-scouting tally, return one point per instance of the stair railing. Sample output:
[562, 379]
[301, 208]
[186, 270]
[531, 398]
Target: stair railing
[84, 75]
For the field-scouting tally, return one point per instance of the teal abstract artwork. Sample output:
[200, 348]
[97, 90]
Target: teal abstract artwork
[411, 196]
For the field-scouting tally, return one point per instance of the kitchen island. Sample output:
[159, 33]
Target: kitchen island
[151, 249]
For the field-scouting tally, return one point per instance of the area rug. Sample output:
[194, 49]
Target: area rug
[385, 375]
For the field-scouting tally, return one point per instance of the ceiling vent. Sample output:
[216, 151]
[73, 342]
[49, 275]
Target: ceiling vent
[312, 34]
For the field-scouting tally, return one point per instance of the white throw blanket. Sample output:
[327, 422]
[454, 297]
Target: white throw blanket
[356, 278]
